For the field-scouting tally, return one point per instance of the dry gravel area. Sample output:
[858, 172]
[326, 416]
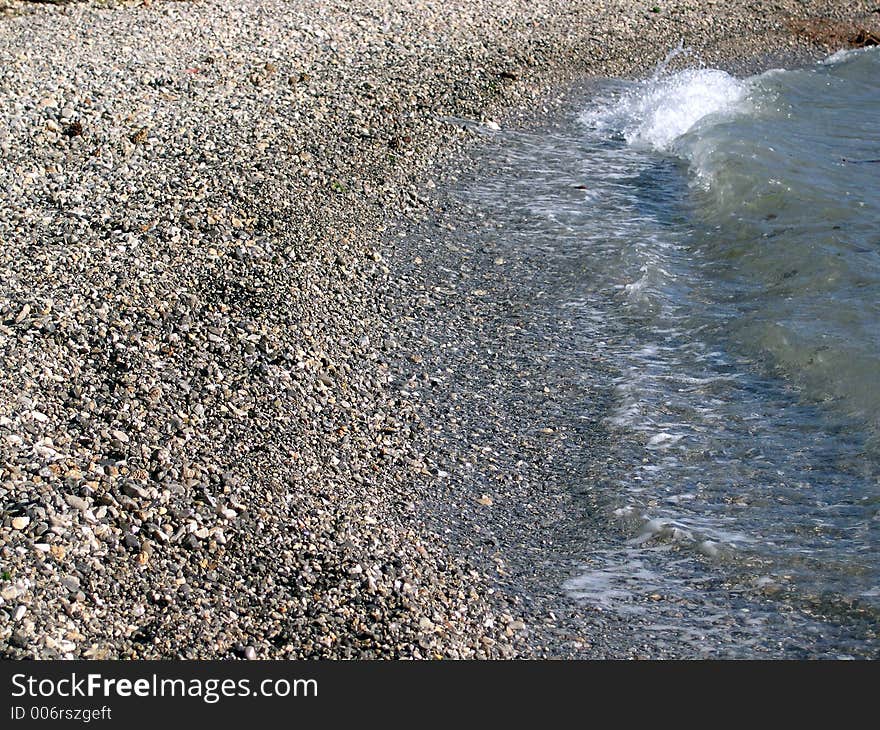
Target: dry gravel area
[210, 443]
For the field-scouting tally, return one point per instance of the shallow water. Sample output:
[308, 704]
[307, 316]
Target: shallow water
[720, 248]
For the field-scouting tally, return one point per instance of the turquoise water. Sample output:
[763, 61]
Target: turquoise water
[723, 237]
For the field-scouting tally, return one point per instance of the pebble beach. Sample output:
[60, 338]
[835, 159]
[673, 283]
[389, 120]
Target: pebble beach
[229, 423]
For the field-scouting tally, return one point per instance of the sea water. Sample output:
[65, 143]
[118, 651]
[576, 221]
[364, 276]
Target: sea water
[725, 233]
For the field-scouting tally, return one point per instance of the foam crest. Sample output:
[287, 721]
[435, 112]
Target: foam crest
[660, 110]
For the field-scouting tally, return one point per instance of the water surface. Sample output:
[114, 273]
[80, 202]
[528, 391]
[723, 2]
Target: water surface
[719, 243]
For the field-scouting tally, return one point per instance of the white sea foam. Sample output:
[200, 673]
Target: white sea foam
[616, 584]
[662, 109]
[843, 54]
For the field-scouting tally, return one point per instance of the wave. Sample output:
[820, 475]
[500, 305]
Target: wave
[787, 206]
[659, 111]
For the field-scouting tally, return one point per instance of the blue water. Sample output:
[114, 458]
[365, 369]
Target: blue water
[726, 236]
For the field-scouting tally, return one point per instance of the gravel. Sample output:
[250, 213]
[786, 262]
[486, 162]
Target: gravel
[207, 442]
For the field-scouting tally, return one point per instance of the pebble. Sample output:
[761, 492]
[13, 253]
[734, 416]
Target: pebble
[120, 436]
[134, 490]
[11, 592]
[76, 502]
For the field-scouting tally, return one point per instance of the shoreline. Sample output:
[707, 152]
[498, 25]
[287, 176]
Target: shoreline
[211, 427]
[529, 398]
